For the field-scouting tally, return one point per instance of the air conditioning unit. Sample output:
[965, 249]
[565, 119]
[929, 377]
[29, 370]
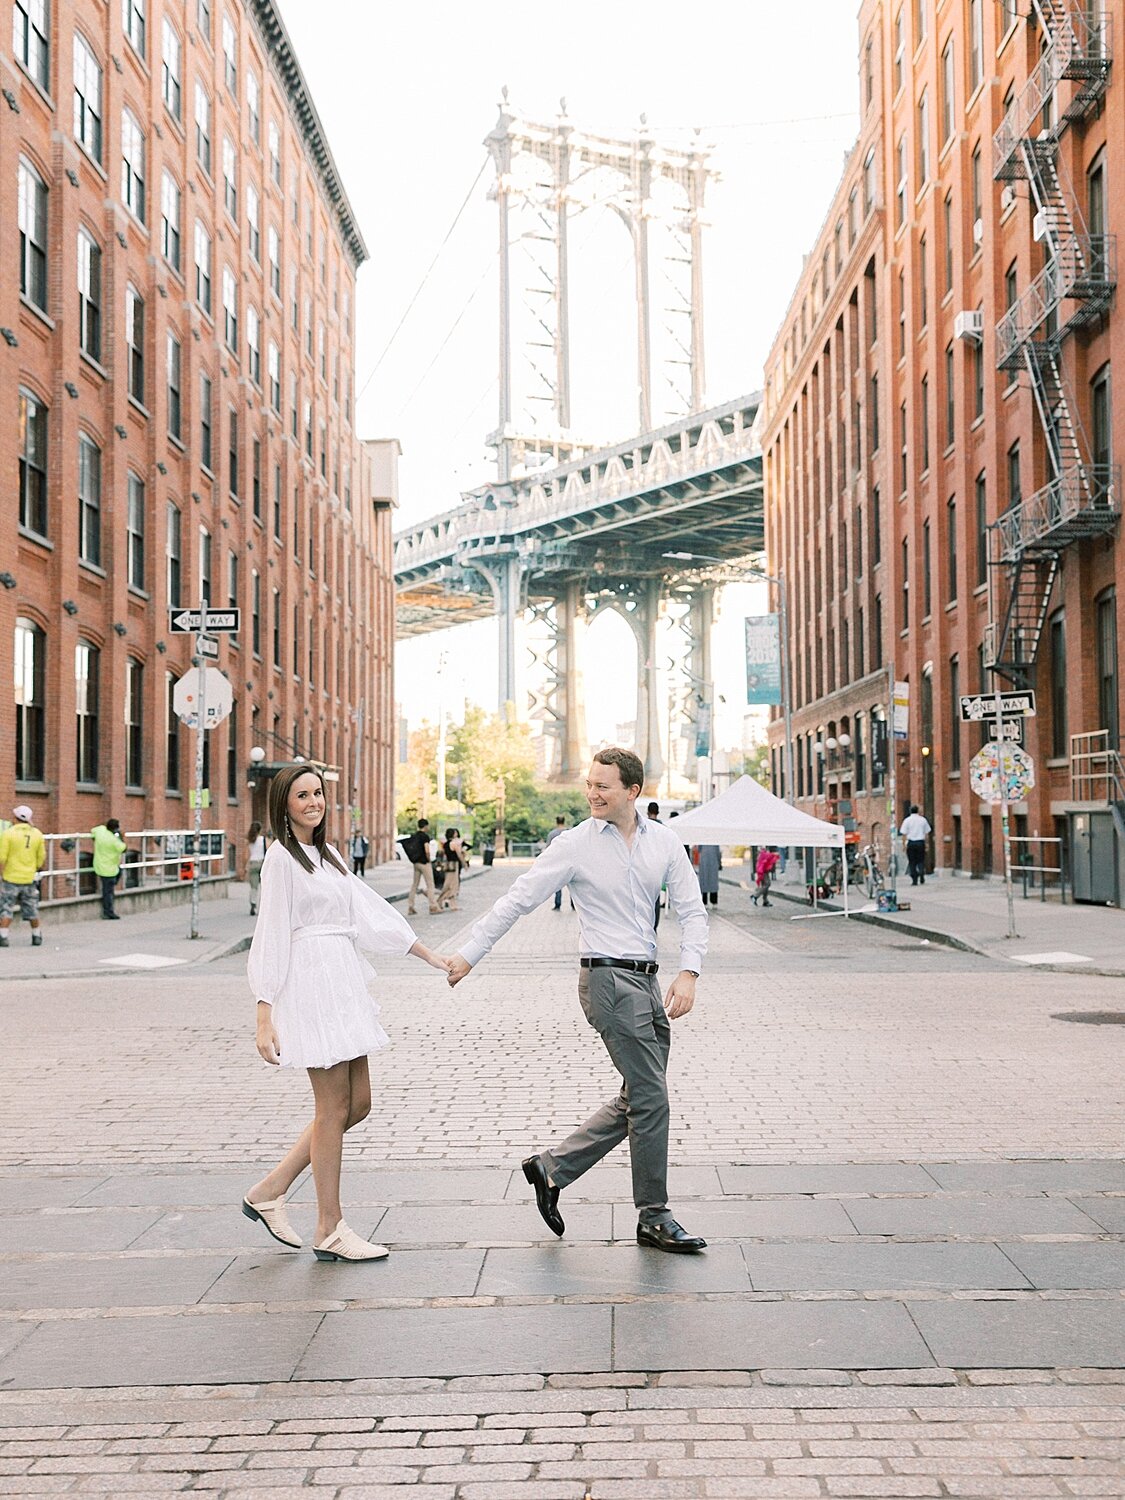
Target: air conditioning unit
[969, 324]
[1007, 198]
[978, 231]
[1039, 225]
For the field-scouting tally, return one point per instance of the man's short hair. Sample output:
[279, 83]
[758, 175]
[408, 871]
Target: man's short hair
[423, 822]
[654, 807]
[629, 766]
[560, 819]
[914, 807]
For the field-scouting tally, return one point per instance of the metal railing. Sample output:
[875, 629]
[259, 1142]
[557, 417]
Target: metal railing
[1085, 270]
[1097, 771]
[1082, 501]
[1081, 49]
[154, 858]
[1026, 869]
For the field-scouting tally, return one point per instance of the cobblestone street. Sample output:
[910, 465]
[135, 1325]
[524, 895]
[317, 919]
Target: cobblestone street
[907, 1166]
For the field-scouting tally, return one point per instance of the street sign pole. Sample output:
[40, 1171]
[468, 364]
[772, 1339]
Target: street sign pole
[1004, 829]
[201, 730]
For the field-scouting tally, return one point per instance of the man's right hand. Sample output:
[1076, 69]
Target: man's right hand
[458, 968]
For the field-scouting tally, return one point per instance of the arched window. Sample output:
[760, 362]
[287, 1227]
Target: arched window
[30, 673]
[87, 662]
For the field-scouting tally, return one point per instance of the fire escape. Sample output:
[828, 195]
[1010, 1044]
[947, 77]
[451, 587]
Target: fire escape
[1075, 287]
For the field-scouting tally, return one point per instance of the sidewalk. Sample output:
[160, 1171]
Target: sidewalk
[153, 940]
[973, 914]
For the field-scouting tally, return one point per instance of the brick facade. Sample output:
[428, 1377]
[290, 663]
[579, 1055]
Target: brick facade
[285, 504]
[879, 467]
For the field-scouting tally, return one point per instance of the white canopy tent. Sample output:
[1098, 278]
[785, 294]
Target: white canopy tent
[748, 813]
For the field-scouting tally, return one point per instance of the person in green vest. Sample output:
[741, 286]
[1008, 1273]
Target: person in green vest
[109, 846]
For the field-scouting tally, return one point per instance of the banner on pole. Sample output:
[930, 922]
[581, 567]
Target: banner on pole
[703, 731]
[902, 710]
[763, 659]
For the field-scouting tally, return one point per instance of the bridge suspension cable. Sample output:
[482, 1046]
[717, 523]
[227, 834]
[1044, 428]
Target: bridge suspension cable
[425, 278]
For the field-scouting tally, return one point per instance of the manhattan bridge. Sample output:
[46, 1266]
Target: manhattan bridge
[568, 529]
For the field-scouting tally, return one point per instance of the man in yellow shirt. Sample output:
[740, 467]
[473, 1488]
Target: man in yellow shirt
[23, 851]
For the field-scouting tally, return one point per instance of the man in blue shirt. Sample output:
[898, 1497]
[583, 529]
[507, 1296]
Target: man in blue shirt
[615, 864]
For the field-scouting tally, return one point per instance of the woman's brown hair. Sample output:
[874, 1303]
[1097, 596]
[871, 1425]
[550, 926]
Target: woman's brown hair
[280, 787]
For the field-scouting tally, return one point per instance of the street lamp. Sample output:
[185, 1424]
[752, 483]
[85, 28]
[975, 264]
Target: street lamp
[786, 707]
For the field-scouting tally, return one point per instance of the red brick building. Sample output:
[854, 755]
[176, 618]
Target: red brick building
[939, 432]
[177, 302]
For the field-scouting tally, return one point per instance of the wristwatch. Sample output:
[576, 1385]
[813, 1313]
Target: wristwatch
[693, 972]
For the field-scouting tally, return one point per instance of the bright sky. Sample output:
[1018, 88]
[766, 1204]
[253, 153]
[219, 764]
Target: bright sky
[407, 94]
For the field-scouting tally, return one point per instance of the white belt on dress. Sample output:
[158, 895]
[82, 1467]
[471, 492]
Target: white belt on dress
[325, 930]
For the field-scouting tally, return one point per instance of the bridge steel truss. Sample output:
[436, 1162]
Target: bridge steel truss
[593, 534]
[1082, 497]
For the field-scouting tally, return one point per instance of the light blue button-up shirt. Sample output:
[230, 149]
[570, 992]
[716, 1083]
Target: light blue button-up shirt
[615, 889]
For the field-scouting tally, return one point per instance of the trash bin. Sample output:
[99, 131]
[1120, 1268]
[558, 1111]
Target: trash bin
[489, 854]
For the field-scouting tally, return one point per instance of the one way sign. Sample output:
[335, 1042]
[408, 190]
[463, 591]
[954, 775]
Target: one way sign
[183, 621]
[977, 707]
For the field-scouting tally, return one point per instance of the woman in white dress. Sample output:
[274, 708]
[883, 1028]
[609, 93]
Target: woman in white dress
[315, 1010]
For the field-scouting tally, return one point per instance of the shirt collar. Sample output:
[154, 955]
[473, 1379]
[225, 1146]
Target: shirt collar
[604, 823]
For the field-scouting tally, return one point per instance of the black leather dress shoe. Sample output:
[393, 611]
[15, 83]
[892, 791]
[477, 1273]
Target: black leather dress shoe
[671, 1237]
[546, 1196]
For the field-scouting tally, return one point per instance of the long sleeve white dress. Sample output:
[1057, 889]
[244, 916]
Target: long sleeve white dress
[305, 959]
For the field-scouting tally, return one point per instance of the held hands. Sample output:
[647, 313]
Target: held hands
[458, 969]
[681, 995]
[266, 1038]
[428, 956]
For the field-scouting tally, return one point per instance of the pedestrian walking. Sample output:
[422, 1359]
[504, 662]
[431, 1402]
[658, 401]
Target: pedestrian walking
[360, 849]
[417, 848]
[109, 846]
[314, 1008]
[556, 832]
[615, 863]
[255, 854]
[915, 830]
[23, 852]
[453, 860]
[708, 862]
[764, 868]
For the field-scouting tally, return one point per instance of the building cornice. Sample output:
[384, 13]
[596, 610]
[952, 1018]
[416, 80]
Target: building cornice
[284, 58]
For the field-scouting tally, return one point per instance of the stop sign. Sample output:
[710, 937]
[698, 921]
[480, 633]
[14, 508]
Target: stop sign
[206, 684]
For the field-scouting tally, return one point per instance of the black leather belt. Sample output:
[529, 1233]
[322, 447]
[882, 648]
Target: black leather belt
[634, 965]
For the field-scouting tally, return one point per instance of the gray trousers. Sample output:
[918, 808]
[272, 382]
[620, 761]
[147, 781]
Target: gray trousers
[626, 1011]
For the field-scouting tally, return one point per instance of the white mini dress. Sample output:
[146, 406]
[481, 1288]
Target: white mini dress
[305, 959]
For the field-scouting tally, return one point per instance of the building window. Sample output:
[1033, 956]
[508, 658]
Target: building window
[33, 235]
[89, 501]
[274, 369]
[87, 99]
[170, 71]
[322, 351]
[1107, 666]
[230, 179]
[904, 450]
[954, 714]
[202, 267]
[919, 23]
[171, 736]
[947, 235]
[1015, 490]
[254, 108]
[31, 38]
[172, 554]
[33, 464]
[31, 713]
[232, 754]
[905, 575]
[874, 414]
[170, 220]
[274, 139]
[230, 56]
[1101, 412]
[902, 315]
[975, 182]
[951, 550]
[202, 128]
[876, 528]
[308, 428]
[978, 379]
[132, 165]
[135, 532]
[230, 310]
[948, 90]
[256, 478]
[293, 400]
[206, 454]
[924, 397]
[205, 565]
[976, 43]
[253, 222]
[870, 169]
[274, 243]
[277, 502]
[308, 325]
[901, 182]
[256, 612]
[203, 18]
[950, 406]
[134, 722]
[232, 579]
[927, 572]
[232, 453]
[1056, 633]
[1011, 287]
[923, 283]
[982, 529]
[173, 364]
[133, 23]
[86, 673]
[900, 51]
[923, 139]
[254, 345]
[276, 624]
[135, 342]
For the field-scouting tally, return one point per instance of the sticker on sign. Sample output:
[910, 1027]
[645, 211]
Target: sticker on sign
[206, 685]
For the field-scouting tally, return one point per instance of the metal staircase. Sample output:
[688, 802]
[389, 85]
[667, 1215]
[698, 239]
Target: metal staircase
[1074, 289]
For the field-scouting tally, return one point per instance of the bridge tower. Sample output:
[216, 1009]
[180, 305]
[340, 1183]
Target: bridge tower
[547, 175]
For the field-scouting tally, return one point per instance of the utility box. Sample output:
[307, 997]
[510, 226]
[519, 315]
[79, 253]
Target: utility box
[1094, 857]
